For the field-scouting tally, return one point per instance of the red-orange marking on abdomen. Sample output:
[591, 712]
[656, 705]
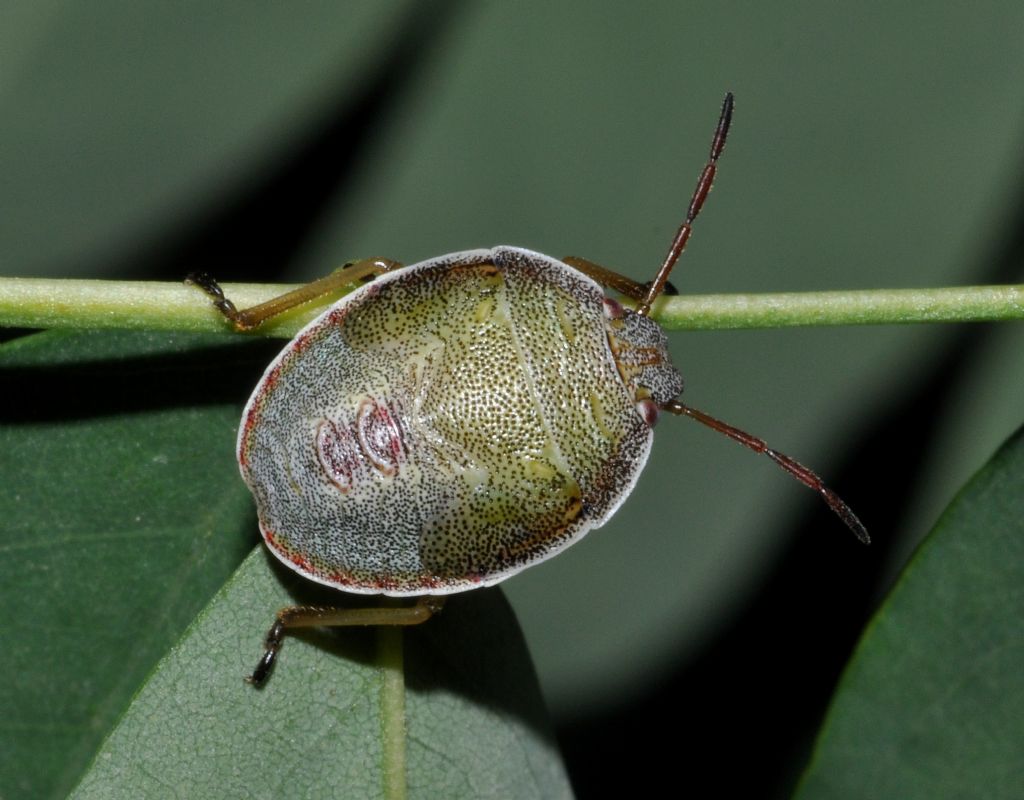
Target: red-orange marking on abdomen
[335, 450]
[379, 436]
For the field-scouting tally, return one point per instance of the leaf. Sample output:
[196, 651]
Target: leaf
[80, 83]
[932, 704]
[325, 723]
[123, 515]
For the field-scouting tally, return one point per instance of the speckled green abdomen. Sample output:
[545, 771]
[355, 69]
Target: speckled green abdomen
[444, 427]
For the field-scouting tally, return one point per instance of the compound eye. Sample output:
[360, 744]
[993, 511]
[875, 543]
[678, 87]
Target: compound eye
[649, 410]
[613, 309]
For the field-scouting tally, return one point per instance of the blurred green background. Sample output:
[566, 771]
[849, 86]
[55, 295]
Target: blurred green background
[874, 145]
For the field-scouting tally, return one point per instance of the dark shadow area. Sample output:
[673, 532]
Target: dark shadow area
[202, 370]
[251, 230]
[475, 648]
[9, 334]
[742, 716]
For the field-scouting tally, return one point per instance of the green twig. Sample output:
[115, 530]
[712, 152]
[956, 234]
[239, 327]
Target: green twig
[140, 305]
[865, 307]
[392, 711]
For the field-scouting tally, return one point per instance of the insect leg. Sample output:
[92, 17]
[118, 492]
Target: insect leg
[249, 318]
[606, 277]
[317, 616]
[614, 280]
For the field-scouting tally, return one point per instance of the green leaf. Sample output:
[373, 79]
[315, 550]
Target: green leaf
[123, 515]
[330, 721]
[932, 704]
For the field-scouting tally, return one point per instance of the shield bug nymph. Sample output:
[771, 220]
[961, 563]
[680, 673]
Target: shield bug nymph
[448, 424]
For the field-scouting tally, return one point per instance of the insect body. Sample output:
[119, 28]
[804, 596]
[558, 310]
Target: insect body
[453, 422]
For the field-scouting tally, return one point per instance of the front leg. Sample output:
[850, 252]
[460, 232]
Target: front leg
[614, 280]
[249, 318]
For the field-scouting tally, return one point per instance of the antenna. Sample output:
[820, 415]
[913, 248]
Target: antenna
[806, 476]
[700, 194]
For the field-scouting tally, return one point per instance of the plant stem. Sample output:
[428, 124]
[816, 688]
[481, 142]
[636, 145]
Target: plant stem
[392, 711]
[142, 305]
[863, 307]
